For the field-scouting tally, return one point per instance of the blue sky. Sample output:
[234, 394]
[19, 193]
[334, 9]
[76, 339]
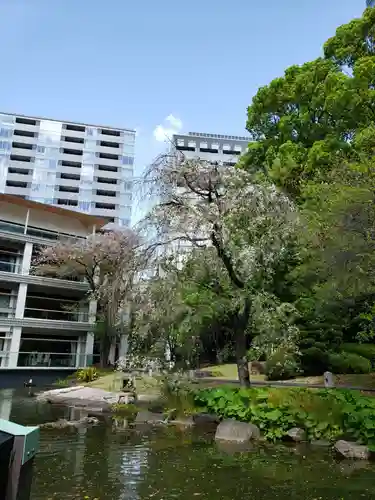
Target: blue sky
[134, 63]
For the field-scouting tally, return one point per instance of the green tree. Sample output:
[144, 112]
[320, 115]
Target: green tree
[317, 115]
[248, 226]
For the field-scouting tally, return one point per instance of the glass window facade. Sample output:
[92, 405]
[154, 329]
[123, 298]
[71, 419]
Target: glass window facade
[47, 161]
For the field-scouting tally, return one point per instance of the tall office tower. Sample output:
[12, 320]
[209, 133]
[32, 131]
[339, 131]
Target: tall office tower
[211, 147]
[88, 168]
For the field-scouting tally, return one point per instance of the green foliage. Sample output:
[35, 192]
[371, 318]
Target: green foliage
[365, 350]
[87, 374]
[348, 362]
[125, 410]
[281, 365]
[314, 360]
[323, 414]
[61, 383]
[301, 122]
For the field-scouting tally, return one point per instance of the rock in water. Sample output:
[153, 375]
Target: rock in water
[348, 449]
[206, 419]
[238, 432]
[147, 417]
[183, 423]
[63, 423]
[296, 434]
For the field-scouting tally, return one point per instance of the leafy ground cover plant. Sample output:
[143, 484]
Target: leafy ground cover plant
[323, 414]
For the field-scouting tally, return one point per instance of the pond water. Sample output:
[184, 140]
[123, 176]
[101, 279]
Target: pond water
[108, 463]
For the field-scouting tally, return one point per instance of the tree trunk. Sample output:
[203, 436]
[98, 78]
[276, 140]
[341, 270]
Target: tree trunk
[105, 346]
[241, 345]
[241, 359]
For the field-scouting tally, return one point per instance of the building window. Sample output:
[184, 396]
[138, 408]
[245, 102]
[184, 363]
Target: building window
[52, 164]
[84, 206]
[41, 149]
[127, 160]
[90, 144]
[5, 145]
[5, 132]
[126, 173]
[91, 131]
[89, 157]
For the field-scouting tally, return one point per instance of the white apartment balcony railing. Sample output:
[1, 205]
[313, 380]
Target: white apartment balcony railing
[10, 267]
[28, 359]
[56, 315]
[46, 314]
[12, 227]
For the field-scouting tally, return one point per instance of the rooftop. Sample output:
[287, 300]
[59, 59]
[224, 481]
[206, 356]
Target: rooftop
[68, 122]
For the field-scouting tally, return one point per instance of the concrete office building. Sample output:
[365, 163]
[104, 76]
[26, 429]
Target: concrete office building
[224, 149]
[44, 321]
[211, 147]
[88, 168]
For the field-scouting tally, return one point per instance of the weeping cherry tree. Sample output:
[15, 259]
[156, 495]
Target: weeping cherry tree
[249, 225]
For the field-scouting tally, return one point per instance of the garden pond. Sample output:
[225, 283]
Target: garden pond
[106, 462]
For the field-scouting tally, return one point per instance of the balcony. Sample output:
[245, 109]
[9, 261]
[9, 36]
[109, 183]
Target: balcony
[57, 360]
[56, 315]
[12, 227]
[10, 267]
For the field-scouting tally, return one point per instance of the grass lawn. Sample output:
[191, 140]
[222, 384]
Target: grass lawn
[229, 372]
[113, 382]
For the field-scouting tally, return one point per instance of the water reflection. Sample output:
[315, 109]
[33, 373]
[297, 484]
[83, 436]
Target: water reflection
[6, 397]
[112, 461]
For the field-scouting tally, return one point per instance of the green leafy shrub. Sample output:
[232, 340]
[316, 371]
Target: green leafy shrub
[87, 374]
[323, 414]
[346, 362]
[365, 350]
[125, 410]
[314, 360]
[281, 365]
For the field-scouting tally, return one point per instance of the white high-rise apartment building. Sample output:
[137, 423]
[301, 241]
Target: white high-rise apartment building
[88, 168]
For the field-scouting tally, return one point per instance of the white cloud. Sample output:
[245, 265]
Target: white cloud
[164, 132]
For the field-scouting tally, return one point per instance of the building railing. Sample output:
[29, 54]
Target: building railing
[10, 267]
[34, 359]
[56, 315]
[78, 279]
[12, 227]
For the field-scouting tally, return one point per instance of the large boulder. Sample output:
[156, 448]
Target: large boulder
[237, 432]
[82, 397]
[348, 449]
[296, 434]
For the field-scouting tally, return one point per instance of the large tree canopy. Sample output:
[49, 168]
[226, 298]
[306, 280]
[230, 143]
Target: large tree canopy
[248, 226]
[317, 115]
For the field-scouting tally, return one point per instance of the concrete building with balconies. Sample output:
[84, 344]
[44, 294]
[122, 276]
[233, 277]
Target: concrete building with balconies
[88, 168]
[44, 322]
